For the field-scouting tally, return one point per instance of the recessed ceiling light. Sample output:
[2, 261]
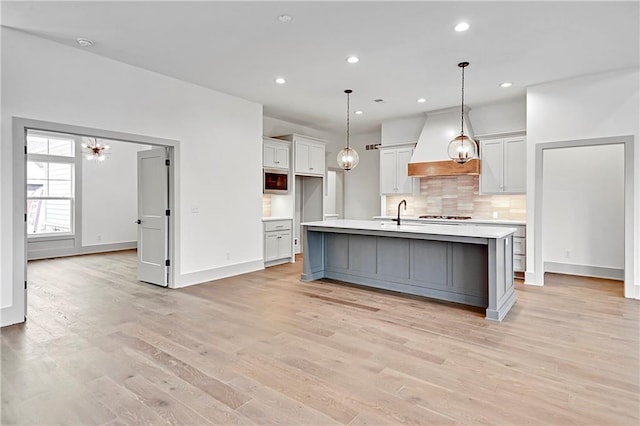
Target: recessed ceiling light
[506, 84]
[359, 112]
[84, 42]
[285, 18]
[353, 59]
[280, 80]
[422, 100]
[462, 26]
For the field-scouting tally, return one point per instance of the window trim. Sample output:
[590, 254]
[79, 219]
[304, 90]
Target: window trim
[76, 200]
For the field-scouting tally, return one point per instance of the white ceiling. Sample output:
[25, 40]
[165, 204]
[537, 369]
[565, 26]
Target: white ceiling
[407, 49]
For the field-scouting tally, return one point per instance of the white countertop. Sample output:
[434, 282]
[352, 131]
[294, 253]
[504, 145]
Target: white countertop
[269, 219]
[489, 221]
[457, 230]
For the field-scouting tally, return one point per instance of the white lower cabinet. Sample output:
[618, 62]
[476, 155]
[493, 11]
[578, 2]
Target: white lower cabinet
[277, 242]
[519, 250]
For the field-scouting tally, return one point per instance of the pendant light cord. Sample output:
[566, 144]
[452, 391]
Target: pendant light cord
[348, 119]
[462, 106]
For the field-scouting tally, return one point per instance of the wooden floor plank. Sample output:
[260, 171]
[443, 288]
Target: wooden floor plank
[99, 347]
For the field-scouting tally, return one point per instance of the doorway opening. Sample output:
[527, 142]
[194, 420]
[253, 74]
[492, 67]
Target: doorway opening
[620, 197]
[64, 218]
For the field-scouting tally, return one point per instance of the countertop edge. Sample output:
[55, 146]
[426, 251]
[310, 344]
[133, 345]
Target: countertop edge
[488, 221]
[443, 229]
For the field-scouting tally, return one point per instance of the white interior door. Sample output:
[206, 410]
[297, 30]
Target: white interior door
[153, 216]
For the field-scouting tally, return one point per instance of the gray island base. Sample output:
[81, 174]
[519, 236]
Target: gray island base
[467, 264]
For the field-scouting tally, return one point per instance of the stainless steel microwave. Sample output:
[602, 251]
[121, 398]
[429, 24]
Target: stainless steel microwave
[276, 181]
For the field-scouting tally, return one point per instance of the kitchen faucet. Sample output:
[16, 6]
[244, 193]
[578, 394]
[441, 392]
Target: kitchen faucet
[405, 208]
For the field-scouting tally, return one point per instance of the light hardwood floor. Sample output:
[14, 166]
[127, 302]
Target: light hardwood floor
[264, 348]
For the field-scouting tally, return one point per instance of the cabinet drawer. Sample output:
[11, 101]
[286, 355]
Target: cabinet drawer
[521, 231]
[519, 263]
[519, 245]
[277, 225]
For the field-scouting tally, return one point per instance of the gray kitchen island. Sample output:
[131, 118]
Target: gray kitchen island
[467, 264]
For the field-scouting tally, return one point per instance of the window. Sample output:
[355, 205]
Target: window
[50, 184]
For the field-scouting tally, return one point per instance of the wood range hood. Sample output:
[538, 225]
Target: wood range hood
[444, 168]
[430, 154]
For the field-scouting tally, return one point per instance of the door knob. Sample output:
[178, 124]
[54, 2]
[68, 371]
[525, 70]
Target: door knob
[138, 221]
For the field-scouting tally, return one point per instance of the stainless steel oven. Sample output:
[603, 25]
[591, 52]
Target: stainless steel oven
[276, 181]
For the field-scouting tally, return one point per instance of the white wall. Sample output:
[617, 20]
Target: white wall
[79, 88]
[362, 184]
[583, 206]
[402, 130]
[109, 196]
[499, 117]
[594, 106]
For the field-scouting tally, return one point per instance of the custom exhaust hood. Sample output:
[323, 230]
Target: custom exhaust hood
[430, 156]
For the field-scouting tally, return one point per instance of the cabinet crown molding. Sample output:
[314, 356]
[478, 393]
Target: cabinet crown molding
[398, 145]
[501, 135]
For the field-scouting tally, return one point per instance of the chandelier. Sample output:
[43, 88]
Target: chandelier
[94, 150]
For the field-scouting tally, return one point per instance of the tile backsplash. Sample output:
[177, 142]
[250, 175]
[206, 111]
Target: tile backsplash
[458, 196]
[266, 205]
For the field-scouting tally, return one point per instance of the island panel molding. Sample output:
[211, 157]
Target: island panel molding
[472, 265]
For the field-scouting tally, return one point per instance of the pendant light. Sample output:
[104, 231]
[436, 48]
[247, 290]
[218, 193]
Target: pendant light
[348, 157]
[462, 148]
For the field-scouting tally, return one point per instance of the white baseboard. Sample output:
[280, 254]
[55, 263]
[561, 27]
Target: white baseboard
[200, 277]
[98, 248]
[585, 270]
[530, 279]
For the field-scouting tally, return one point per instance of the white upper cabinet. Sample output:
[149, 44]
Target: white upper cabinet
[275, 154]
[309, 156]
[503, 168]
[515, 165]
[394, 178]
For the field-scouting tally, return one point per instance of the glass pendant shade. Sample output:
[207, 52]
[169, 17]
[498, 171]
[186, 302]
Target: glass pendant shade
[462, 149]
[348, 158]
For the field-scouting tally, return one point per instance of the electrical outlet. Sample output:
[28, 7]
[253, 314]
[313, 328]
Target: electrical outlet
[495, 215]
[98, 237]
[295, 241]
[228, 255]
[567, 254]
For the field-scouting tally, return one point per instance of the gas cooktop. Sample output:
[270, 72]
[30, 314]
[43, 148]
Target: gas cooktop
[431, 216]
